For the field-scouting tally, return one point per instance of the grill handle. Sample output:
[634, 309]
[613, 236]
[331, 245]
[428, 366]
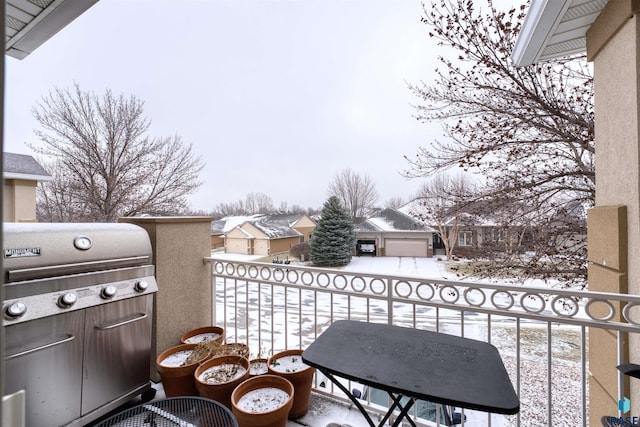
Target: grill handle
[14, 275]
[117, 325]
[42, 347]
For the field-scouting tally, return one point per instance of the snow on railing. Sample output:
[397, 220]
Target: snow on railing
[541, 332]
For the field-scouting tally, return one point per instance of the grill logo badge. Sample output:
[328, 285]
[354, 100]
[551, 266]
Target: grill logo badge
[21, 252]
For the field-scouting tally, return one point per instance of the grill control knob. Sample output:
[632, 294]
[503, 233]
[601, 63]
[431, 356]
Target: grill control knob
[67, 300]
[141, 286]
[108, 292]
[15, 310]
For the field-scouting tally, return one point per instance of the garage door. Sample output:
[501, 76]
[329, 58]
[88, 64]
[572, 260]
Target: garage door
[237, 246]
[403, 247]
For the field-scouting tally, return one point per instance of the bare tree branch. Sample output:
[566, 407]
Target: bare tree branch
[357, 193]
[104, 163]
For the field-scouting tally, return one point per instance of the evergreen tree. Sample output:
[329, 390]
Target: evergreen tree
[334, 237]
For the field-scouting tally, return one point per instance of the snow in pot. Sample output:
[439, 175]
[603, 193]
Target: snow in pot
[263, 400]
[179, 358]
[258, 368]
[288, 364]
[222, 373]
[204, 337]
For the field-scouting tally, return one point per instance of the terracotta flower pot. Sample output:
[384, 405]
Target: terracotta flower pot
[258, 367]
[205, 333]
[178, 380]
[221, 385]
[261, 409]
[301, 379]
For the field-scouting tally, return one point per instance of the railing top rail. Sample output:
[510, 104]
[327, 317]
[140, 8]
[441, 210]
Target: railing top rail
[627, 298]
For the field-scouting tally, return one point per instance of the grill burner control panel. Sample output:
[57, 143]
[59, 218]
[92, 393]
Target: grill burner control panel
[37, 306]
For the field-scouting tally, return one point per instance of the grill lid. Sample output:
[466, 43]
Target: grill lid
[40, 250]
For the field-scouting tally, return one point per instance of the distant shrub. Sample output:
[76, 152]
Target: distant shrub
[301, 251]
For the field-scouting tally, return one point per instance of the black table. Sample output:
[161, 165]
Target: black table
[413, 363]
[187, 411]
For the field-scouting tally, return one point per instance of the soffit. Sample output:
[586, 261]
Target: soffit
[554, 29]
[29, 23]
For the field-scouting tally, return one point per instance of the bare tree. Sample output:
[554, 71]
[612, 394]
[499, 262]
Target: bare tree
[258, 203]
[106, 164]
[253, 203]
[525, 128]
[443, 202]
[357, 193]
[293, 209]
[394, 202]
[529, 131]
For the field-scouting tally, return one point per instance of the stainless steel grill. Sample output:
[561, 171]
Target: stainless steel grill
[78, 314]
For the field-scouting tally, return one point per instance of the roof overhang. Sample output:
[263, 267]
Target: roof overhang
[554, 29]
[26, 177]
[30, 23]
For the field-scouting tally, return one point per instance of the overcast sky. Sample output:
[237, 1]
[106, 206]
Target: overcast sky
[277, 96]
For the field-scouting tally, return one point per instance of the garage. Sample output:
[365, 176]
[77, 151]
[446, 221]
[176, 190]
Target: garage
[406, 247]
[238, 246]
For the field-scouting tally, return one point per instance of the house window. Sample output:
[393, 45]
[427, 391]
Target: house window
[465, 238]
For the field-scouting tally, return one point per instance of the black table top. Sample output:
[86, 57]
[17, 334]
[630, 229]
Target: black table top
[422, 364]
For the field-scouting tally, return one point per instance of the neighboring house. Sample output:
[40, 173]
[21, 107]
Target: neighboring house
[475, 231]
[261, 234]
[222, 226]
[394, 233]
[305, 225]
[471, 232]
[21, 174]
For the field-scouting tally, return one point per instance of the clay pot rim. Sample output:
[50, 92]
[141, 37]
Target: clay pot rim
[201, 330]
[266, 377]
[209, 363]
[177, 348]
[286, 353]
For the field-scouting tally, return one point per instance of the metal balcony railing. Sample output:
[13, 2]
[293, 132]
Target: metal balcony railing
[541, 333]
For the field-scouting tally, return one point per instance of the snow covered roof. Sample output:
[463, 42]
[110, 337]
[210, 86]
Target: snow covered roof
[22, 166]
[274, 226]
[274, 230]
[391, 220]
[228, 223]
[284, 219]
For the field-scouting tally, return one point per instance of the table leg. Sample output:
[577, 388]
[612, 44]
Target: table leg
[404, 409]
[350, 396]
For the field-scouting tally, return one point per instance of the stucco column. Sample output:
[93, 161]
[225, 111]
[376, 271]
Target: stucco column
[183, 301]
[614, 224]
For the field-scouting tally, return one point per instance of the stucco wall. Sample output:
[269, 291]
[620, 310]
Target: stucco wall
[612, 43]
[19, 200]
[183, 301]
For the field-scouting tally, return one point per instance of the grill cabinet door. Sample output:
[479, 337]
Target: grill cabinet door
[44, 357]
[117, 350]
